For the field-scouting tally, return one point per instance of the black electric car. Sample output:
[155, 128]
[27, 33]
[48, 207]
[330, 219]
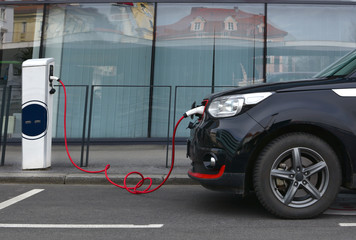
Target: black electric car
[293, 144]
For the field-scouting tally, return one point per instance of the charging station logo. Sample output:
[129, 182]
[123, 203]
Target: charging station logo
[34, 120]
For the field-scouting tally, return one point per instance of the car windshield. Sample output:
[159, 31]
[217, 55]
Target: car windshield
[342, 67]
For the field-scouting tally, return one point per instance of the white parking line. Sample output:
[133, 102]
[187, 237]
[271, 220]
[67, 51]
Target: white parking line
[347, 224]
[80, 226]
[19, 198]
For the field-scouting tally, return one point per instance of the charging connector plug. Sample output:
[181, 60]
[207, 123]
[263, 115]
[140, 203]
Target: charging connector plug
[194, 111]
[51, 79]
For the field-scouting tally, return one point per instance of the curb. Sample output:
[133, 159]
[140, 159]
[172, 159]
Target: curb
[61, 178]
[54, 178]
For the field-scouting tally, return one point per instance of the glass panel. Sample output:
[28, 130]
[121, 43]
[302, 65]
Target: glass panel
[20, 34]
[312, 37]
[207, 45]
[119, 116]
[103, 44]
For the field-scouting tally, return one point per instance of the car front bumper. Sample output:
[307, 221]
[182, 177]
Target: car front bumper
[220, 149]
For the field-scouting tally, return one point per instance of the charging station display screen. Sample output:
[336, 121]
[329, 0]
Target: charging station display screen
[34, 120]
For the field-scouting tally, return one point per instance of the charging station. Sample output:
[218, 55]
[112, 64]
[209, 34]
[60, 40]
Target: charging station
[37, 107]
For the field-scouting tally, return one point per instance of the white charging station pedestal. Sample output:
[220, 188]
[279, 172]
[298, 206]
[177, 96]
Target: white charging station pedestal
[37, 107]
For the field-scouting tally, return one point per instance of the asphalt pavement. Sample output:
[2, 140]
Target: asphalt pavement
[57, 211]
[150, 160]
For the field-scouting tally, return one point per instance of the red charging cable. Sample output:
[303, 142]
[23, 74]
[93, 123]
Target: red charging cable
[133, 190]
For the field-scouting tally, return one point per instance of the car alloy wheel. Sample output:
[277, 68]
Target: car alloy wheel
[297, 175]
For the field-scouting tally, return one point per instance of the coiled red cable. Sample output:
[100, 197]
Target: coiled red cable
[133, 190]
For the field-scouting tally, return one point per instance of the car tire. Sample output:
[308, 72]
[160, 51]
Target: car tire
[297, 176]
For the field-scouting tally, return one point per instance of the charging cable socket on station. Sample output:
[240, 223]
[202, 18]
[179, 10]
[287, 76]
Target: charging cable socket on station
[51, 79]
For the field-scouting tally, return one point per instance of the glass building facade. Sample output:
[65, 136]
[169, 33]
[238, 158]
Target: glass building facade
[132, 69]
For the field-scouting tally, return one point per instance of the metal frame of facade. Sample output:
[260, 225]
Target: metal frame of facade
[341, 2]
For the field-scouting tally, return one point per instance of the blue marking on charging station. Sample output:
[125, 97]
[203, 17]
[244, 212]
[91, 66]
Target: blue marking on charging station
[34, 120]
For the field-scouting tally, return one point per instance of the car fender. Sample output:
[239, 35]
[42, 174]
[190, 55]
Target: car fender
[328, 115]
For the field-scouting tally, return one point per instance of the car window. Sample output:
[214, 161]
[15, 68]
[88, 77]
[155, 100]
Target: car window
[342, 67]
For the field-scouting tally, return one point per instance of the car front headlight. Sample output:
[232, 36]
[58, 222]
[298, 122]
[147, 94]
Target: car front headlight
[228, 106]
